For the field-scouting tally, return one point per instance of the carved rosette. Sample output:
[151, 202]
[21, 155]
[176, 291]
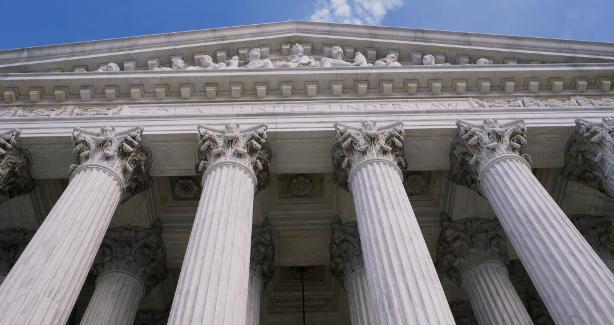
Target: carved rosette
[262, 254]
[599, 233]
[476, 145]
[466, 243]
[345, 250]
[357, 145]
[134, 250]
[247, 147]
[120, 153]
[589, 155]
[12, 243]
[15, 165]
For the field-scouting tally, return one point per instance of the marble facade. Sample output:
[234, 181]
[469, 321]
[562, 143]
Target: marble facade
[365, 175]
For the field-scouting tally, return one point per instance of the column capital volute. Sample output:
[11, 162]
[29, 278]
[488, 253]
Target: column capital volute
[466, 243]
[345, 250]
[12, 243]
[247, 147]
[477, 146]
[357, 146]
[15, 163]
[589, 154]
[262, 254]
[121, 154]
[598, 231]
[137, 251]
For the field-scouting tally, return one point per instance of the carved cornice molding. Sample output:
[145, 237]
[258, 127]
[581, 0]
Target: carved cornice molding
[345, 250]
[262, 254]
[463, 312]
[247, 147]
[12, 243]
[466, 243]
[589, 155]
[15, 166]
[121, 153]
[599, 233]
[135, 250]
[355, 146]
[476, 145]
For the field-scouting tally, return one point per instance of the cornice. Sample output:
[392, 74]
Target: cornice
[306, 83]
[304, 28]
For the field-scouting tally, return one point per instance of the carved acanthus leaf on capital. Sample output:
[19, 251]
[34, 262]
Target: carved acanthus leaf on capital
[262, 254]
[466, 243]
[476, 145]
[15, 178]
[135, 250]
[355, 145]
[345, 250]
[247, 147]
[589, 155]
[119, 152]
[599, 233]
[12, 243]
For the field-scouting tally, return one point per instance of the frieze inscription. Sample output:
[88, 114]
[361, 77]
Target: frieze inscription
[303, 108]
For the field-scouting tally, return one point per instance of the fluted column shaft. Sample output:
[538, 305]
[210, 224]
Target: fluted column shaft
[44, 284]
[253, 299]
[359, 297]
[115, 301]
[213, 285]
[402, 279]
[492, 295]
[575, 284]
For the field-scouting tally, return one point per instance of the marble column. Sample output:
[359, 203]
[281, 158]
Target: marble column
[575, 284]
[402, 279]
[348, 265]
[15, 165]
[261, 261]
[599, 233]
[12, 243]
[589, 155]
[44, 284]
[213, 284]
[130, 262]
[472, 252]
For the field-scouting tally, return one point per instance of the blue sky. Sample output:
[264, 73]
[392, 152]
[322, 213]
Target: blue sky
[42, 22]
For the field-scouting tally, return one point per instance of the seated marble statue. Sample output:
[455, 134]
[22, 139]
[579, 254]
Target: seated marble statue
[428, 59]
[389, 61]
[255, 62]
[109, 67]
[297, 58]
[206, 62]
[482, 61]
[336, 59]
[360, 60]
[233, 63]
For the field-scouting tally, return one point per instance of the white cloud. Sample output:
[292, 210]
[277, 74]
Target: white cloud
[370, 12]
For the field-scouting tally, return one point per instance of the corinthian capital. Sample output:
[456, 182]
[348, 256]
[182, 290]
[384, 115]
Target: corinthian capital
[345, 250]
[121, 153]
[15, 164]
[466, 243]
[135, 250]
[12, 243]
[355, 145]
[247, 147]
[476, 145]
[262, 254]
[599, 233]
[589, 155]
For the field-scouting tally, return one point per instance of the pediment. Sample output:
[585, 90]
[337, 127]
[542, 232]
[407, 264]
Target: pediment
[275, 40]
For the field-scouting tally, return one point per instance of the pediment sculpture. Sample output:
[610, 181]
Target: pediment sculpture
[298, 58]
[337, 60]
